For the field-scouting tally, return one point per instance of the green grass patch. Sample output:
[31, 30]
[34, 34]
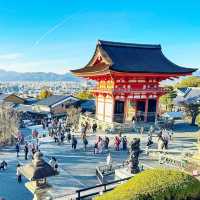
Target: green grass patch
[156, 184]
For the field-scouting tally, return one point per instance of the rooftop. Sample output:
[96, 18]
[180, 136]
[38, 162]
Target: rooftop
[131, 58]
[54, 99]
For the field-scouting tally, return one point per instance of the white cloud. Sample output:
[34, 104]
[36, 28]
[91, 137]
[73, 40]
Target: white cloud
[10, 56]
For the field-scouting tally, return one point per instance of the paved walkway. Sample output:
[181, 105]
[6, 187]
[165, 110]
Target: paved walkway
[77, 168]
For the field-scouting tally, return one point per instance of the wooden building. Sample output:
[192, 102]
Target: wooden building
[128, 77]
[55, 104]
[11, 98]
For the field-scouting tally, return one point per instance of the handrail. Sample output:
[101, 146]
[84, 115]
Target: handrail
[105, 189]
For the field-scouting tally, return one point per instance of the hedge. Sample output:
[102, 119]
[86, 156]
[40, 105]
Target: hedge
[156, 184]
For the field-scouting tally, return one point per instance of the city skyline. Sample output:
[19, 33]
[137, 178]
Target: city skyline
[60, 36]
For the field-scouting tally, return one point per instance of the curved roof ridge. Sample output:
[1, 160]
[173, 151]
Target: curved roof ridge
[124, 44]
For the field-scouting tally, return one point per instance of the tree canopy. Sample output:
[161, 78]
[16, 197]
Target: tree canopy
[192, 110]
[44, 93]
[192, 81]
[86, 94]
[167, 99]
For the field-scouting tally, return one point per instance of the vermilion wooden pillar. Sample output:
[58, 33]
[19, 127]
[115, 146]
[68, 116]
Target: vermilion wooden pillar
[125, 108]
[157, 106]
[146, 109]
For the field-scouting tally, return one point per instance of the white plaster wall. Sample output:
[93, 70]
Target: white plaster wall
[100, 108]
[108, 109]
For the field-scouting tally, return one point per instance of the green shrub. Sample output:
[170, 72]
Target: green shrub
[156, 184]
[198, 120]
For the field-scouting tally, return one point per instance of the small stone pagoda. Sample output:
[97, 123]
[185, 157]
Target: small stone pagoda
[128, 77]
[37, 172]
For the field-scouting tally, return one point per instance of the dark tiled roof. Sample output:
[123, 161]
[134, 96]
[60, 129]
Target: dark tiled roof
[192, 95]
[52, 100]
[140, 58]
[4, 96]
[135, 58]
[183, 90]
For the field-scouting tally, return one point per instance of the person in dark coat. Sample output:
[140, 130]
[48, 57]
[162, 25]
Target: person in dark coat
[26, 151]
[69, 137]
[124, 143]
[33, 151]
[74, 142]
[17, 149]
[106, 142]
[85, 142]
[94, 128]
[62, 137]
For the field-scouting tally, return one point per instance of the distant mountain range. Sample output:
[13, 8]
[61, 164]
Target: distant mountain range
[42, 76]
[35, 76]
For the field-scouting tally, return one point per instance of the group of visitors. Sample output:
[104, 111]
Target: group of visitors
[29, 147]
[86, 127]
[120, 143]
[57, 130]
[101, 145]
[163, 138]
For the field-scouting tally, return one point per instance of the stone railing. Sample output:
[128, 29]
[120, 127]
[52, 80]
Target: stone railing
[101, 125]
[114, 127]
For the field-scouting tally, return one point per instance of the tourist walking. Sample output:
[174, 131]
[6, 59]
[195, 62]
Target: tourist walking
[166, 138]
[33, 150]
[18, 174]
[161, 142]
[142, 130]
[117, 143]
[94, 127]
[100, 145]
[17, 147]
[35, 133]
[124, 143]
[74, 142]
[37, 144]
[149, 140]
[69, 137]
[55, 138]
[26, 151]
[85, 142]
[62, 137]
[95, 148]
[151, 129]
[3, 165]
[106, 142]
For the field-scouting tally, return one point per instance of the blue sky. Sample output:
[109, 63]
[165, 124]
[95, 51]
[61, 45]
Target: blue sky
[59, 35]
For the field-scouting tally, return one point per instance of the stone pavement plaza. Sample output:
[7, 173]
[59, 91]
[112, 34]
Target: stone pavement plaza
[77, 168]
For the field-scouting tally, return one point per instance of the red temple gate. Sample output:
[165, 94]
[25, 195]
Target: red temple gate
[128, 77]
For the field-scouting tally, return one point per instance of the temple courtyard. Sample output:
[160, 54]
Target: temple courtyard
[77, 168]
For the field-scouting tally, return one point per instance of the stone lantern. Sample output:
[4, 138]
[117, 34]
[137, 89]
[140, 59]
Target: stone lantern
[37, 172]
